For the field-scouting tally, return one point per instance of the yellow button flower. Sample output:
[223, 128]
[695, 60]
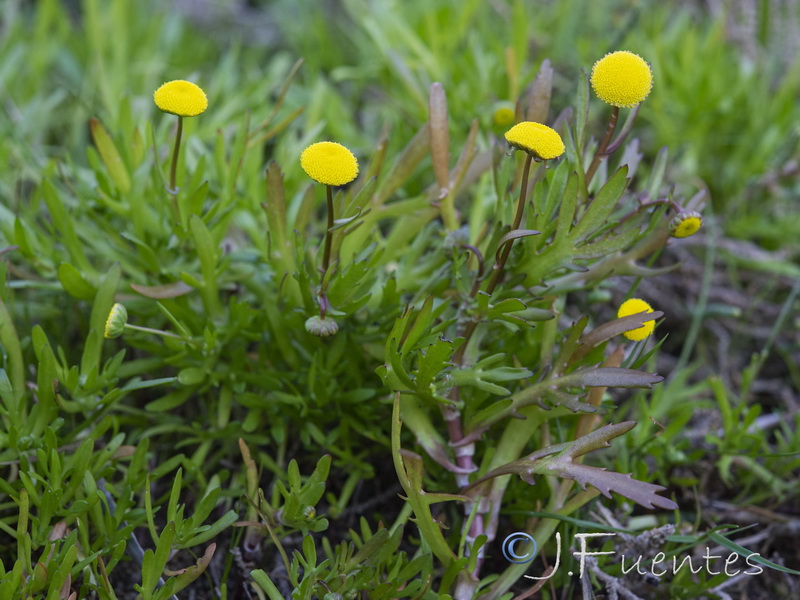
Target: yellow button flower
[329, 163]
[534, 138]
[622, 79]
[686, 223]
[634, 306]
[182, 98]
[503, 115]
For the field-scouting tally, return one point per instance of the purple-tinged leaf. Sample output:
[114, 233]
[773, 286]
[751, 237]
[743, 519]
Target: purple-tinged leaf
[606, 331]
[570, 401]
[640, 492]
[613, 377]
[159, 292]
[511, 236]
[541, 90]
[440, 136]
[190, 574]
[560, 460]
[599, 438]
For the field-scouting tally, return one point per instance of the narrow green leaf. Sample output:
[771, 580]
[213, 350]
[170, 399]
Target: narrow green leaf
[221, 524]
[265, 583]
[421, 325]
[163, 549]
[205, 247]
[103, 301]
[161, 292]
[9, 340]
[190, 574]
[174, 496]
[653, 184]
[566, 211]
[74, 282]
[110, 155]
[600, 208]
[207, 252]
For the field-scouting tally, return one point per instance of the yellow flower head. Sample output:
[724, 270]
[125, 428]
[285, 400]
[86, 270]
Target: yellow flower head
[686, 223]
[634, 306]
[534, 138]
[622, 79]
[504, 115]
[182, 98]
[329, 163]
[116, 321]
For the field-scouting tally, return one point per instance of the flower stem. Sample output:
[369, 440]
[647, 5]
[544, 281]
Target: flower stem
[175, 152]
[452, 415]
[156, 331]
[497, 270]
[326, 255]
[601, 149]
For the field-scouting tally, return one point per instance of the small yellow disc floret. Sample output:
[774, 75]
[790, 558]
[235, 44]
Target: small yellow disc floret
[329, 163]
[685, 224]
[634, 306]
[534, 138]
[622, 79]
[503, 115]
[182, 98]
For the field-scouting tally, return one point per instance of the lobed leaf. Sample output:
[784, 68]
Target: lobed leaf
[644, 494]
[110, 155]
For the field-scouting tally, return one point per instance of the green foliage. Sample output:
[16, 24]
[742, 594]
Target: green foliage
[468, 348]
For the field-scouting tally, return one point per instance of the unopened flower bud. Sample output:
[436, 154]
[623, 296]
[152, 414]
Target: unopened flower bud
[116, 321]
[321, 327]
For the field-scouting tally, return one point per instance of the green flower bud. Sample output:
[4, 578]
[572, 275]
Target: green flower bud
[117, 319]
[321, 327]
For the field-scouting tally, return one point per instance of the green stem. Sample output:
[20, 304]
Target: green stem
[158, 332]
[497, 271]
[448, 211]
[601, 149]
[429, 529]
[173, 170]
[326, 256]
